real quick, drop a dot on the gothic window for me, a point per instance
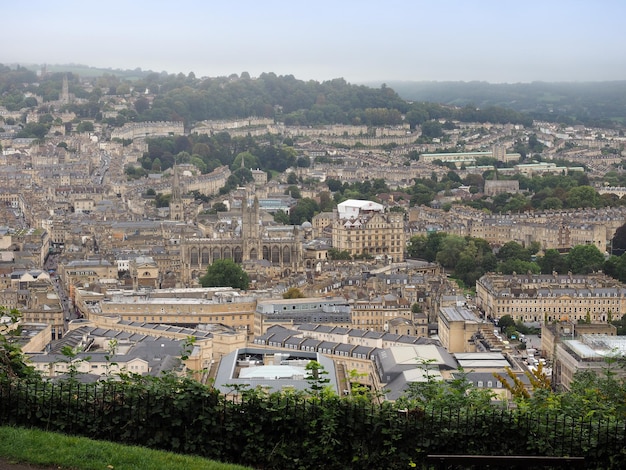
(286, 254)
(237, 254)
(205, 256)
(216, 254)
(193, 259)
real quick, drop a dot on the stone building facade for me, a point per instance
(243, 240)
(369, 232)
(596, 298)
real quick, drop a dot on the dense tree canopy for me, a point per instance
(584, 259)
(225, 273)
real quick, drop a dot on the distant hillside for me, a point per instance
(590, 103)
(86, 71)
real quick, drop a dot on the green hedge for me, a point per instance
(280, 431)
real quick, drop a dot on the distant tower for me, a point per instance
(65, 91)
(499, 152)
(250, 230)
(177, 209)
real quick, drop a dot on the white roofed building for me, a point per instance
(353, 208)
(364, 229)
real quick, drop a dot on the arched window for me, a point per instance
(193, 258)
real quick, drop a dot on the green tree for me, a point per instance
(73, 359)
(432, 129)
(551, 203)
(335, 254)
(292, 178)
(552, 261)
(141, 105)
(85, 126)
(156, 165)
(281, 217)
(304, 211)
(316, 377)
(426, 247)
(249, 161)
(585, 259)
(518, 266)
(513, 250)
(615, 267)
(435, 393)
(326, 201)
(220, 207)
(506, 321)
(12, 360)
(225, 273)
(294, 191)
(416, 308)
(583, 196)
(618, 242)
(450, 251)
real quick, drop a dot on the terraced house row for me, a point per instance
(594, 298)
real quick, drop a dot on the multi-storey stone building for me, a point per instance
(457, 328)
(362, 228)
(135, 130)
(559, 230)
(182, 307)
(288, 312)
(545, 298)
(376, 313)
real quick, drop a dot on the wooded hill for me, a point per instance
(595, 104)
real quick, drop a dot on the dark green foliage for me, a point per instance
(85, 126)
(162, 200)
(281, 217)
(225, 273)
(618, 242)
(513, 250)
(506, 321)
(34, 130)
(220, 207)
(468, 257)
(585, 259)
(335, 254)
(12, 361)
(552, 261)
(289, 430)
(303, 211)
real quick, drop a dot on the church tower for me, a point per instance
(65, 91)
(250, 229)
(177, 209)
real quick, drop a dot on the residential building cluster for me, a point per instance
(93, 264)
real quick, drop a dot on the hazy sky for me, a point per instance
(488, 40)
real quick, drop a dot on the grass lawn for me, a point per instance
(78, 453)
